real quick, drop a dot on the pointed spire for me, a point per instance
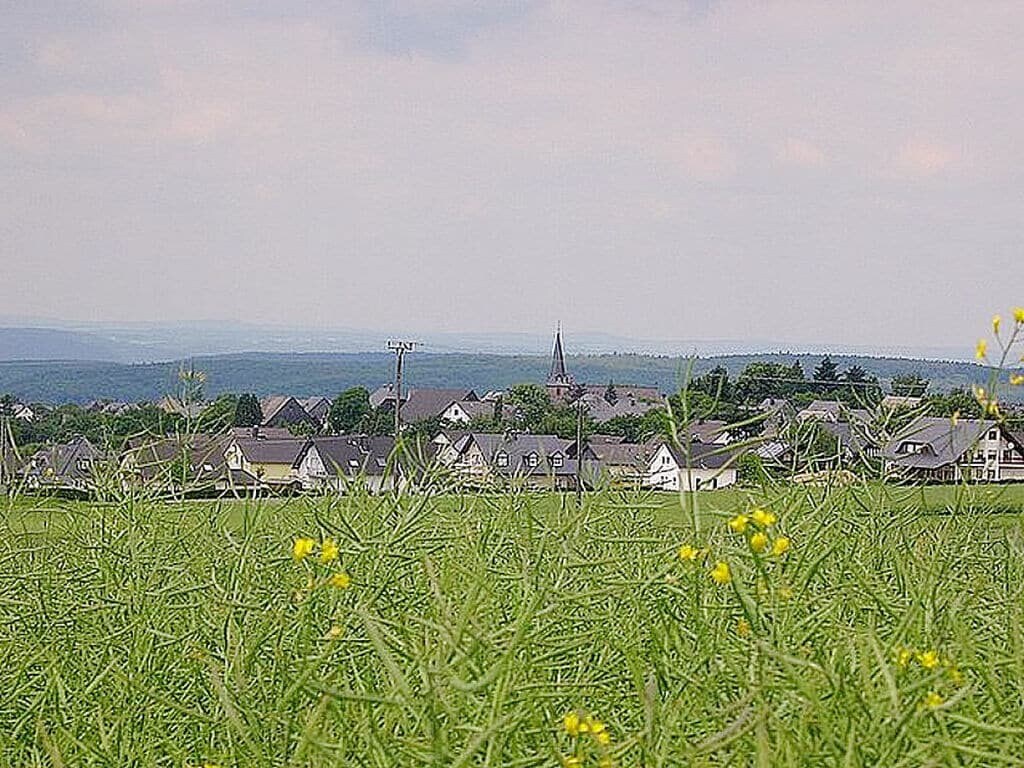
(558, 374)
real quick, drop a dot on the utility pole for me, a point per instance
(579, 451)
(399, 348)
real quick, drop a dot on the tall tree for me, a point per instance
(827, 371)
(348, 410)
(909, 385)
(610, 395)
(248, 412)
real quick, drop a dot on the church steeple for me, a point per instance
(558, 373)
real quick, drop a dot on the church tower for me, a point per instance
(559, 381)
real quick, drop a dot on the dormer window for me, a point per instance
(557, 460)
(532, 460)
(501, 459)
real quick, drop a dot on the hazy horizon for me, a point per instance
(798, 173)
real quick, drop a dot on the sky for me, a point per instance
(812, 173)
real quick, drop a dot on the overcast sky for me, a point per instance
(802, 172)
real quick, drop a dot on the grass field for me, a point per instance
(465, 629)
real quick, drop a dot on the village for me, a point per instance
(471, 442)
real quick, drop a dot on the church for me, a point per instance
(562, 387)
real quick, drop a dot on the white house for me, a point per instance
(705, 467)
(939, 449)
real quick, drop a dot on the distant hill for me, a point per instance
(328, 374)
(56, 344)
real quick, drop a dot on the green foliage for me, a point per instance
(909, 385)
(58, 425)
(348, 410)
(187, 634)
(827, 370)
(220, 414)
(248, 412)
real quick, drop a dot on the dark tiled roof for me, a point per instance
(944, 442)
(272, 451)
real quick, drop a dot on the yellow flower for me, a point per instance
(981, 349)
(571, 723)
(758, 542)
(302, 548)
(933, 700)
(572, 762)
(1018, 314)
(928, 659)
(340, 580)
(1016, 379)
(721, 574)
(334, 633)
(780, 546)
(328, 551)
(603, 738)
(996, 322)
(904, 656)
(739, 523)
(605, 762)
(742, 627)
(763, 517)
(686, 552)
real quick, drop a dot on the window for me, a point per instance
(501, 459)
(993, 434)
(991, 474)
(992, 455)
(557, 460)
(532, 460)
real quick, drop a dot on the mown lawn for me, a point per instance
(155, 634)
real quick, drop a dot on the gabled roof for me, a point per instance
(518, 448)
(944, 442)
(472, 408)
(421, 404)
(698, 455)
(271, 451)
(62, 462)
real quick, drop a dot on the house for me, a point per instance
(194, 464)
(176, 407)
(939, 449)
(539, 461)
(336, 463)
(613, 461)
(464, 411)
(444, 443)
(24, 412)
(561, 386)
(831, 411)
(601, 411)
(701, 467)
(262, 433)
(71, 466)
(286, 411)
(318, 408)
(270, 461)
(709, 432)
(421, 403)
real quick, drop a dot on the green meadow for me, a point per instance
(517, 630)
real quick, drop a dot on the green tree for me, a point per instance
(248, 412)
(826, 373)
(220, 414)
(348, 410)
(532, 406)
(610, 395)
(909, 385)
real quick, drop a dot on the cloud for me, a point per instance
(439, 143)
